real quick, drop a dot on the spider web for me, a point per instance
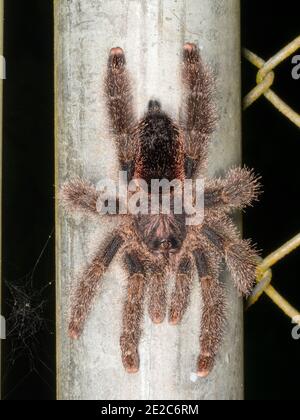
(25, 322)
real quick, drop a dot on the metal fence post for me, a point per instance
(152, 34)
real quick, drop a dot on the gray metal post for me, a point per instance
(152, 34)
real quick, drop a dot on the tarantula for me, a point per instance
(153, 246)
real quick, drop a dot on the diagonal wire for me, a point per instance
(265, 79)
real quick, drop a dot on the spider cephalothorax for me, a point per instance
(153, 245)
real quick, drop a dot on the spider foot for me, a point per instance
(117, 58)
(190, 52)
(130, 355)
(205, 365)
(157, 317)
(131, 361)
(174, 317)
(74, 330)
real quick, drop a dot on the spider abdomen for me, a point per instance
(160, 147)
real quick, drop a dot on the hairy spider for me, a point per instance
(153, 246)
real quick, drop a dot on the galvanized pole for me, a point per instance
(152, 33)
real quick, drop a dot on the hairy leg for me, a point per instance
(181, 295)
(157, 306)
(132, 313)
(200, 115)
(213, 315)
(120, 107)
(79, 195)
(89, 284)
(240, 256)
(237, 190)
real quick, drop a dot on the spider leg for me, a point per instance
(79, 195)
(89, 284)
(132, 313)
(242, 261)
(120, 108)
(213, 315)
(157, 306)
(181, 294)
(200, 116)
(241, 258)
(237, 190)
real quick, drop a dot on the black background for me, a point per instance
(271, 145)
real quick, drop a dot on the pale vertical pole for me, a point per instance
(152, 33)
(2, 76)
